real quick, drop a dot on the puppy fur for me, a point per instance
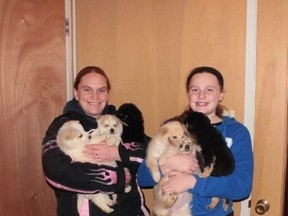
(170, 204)
(72, 138)
(171, 139)
(217, 157)
(133, 127)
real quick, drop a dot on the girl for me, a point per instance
(205, 91)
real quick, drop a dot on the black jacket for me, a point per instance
(67, 178)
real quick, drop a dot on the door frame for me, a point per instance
(250, 76)
(71, 48)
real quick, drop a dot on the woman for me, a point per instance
(205, 91)
(67, 178)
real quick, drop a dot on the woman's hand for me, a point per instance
(181, 163)
(101, 152)
(178, 182)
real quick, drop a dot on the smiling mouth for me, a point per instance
(94, 103)
(202, 103)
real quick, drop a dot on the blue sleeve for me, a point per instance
(238, 185)
(144, 176)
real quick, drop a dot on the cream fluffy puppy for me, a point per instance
(165, 144)
(171, 139)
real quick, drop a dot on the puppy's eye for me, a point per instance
(181, 146)
(174, 137)
(81, 135)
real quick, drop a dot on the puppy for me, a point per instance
(72, 138)
(159, 146)
(217, 157)
(171, 139)
(110, 129)
(133, 127)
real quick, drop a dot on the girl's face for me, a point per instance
(92, 93)
(204, 94)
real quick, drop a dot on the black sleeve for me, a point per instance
(132, 154)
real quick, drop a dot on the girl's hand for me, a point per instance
(178, 182)
(101, 152)
(181, 163)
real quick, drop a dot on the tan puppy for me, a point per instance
(161, 145)
(171, 139)
(110, 129)
(72, 138)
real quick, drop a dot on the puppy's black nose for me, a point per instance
(112, 130)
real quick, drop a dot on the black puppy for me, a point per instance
(133, 128)
(216, 157)
(215, 151)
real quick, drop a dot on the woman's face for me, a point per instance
(92, 93)
(204, 94)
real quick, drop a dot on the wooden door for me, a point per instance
(270, 143)
(148, 47)
(33, 92)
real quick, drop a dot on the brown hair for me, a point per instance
(220, 108)
(91, 69)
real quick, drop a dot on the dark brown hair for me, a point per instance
(220, 108)
(91, 69)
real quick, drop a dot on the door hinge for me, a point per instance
(67, 27)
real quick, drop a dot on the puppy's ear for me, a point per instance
(174, 141)
(125, 124)
(163, 130)
(121, 122)
(72, 134)
(98, 118)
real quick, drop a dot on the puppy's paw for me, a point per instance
(113, 201)
(105, 206)
(225, 204)
(207, 171)
(111, 140)
(162, 161)
(127, 189)
(171, 199)
(156, 176)
(214, 202)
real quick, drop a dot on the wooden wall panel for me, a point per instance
(33, 92)
(148, 47)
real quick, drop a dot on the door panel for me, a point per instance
(33, 92)
(270, 143)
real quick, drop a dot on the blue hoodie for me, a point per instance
(236, 186)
